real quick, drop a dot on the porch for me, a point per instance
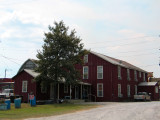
(81, 91)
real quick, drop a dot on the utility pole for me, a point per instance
(5, 73)
(159, 60)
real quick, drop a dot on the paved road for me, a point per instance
(114, 111)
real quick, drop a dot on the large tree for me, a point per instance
(61, 51)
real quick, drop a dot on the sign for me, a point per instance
(150, 74)
(31, 97)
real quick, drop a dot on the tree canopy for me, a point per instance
(61, 51)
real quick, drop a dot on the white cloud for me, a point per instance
(23, 23)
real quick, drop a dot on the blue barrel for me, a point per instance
(33, 102)
(17, 102)
(8, 102)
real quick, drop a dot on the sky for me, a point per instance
(128, 30)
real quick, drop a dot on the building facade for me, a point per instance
(103, 79)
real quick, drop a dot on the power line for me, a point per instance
(142, 42)
(10, 59)
(137, 55)
(120, 39)
(149, 65)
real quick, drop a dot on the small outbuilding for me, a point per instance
(150, 87)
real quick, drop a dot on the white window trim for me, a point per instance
(128, 74)
(98, 90)
(87, 72)
(97, 72)
(135, 87)
(119, 73)
(156, 89)
(65, 90)
(144, 77)
(85, 59)
(135, 75)
(119, 90)
(24, 86)
(128, 90)
(140, 74)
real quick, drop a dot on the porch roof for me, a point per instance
(84, 83)
(6, 82)
(147, 84)
(35, 74)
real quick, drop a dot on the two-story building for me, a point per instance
(103, 79)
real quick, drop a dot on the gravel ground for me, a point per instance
(114, 111)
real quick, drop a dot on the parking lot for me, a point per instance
(114, 111)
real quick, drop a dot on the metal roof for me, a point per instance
(147, 84)
(118, 62)
(31, 72)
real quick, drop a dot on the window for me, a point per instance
(65, 88)
(99, 72)
(135, 87)
(156, 89)
(135, 75)
(85, 59)
(128, 91)
(85, 72)
(119, 90)
(128, 74)
(99, 90)
(24, 86)
(43, 88)
(144, 77)
(119, 72)
(140, 75)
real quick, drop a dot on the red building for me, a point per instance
(6, 83)
(103, 79)
(111, 79)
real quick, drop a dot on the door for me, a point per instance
(52, 91)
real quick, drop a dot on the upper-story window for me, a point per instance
(85, 59)
(119, 72)
(85, 72)
(135, 75)
(99, 72)
(128, 74)
(144, 77)
(140, 75)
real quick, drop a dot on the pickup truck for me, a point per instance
(6, 93)
(142, 96)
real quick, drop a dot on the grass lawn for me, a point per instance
(26, 111)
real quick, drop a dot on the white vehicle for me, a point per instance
(7, 93)
(142, 96)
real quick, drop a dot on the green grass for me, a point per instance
(26, 111)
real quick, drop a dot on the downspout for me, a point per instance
(111, 86)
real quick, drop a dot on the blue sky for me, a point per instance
(124, 29)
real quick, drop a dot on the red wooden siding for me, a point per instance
(31, 87)
(110, 79)
(150, 89)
